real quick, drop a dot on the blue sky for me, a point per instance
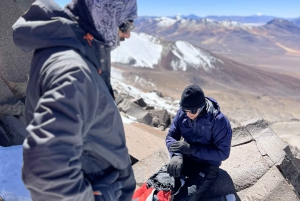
(278, 8)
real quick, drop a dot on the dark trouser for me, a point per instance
(199, 179)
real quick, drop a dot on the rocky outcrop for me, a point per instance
(260, 167)
(12, 131)
(14, 64)
(14, 70)
(143, 113)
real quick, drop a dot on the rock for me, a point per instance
(136, 111)
(240, 135)
(139, 101)
(162, 127)
(245, 165)
(161, 118)
(17, 88)
(158, 93)
(119, 99)
(295, 151)
(12, 131)
(271, 186)
(150, 165)
(9, 104)
(155, 121)
(149, 107)
(260, 167)
(14, 64)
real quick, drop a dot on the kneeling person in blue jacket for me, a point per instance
(207, 139)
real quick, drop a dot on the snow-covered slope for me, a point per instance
(189, 55)
(151, 98)
(141, 50)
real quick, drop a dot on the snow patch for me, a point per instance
(150, 98)
(128, 119)
(141, 50)
(143, 82)
(165, 22)
(189, 55)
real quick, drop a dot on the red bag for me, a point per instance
(159, 187)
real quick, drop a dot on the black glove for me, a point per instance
(181, 147)
(175, 166)
(108, 188)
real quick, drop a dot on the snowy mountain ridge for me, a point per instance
(188, 54)
(143, 50)
(167, 22)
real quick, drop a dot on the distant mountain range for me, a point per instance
(253, 19)
(235, 39)
(161, 59)
(297, 21)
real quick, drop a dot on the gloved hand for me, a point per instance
(108, 188)
(175, 166)
(181, 147)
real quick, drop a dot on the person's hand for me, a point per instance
(181, 147)
(175, 166)
(108, 188)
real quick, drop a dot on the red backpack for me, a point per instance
(159, 187)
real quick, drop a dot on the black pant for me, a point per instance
(199, 178)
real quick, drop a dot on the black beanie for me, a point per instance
(192, 98)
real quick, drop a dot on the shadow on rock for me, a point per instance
(222, 187)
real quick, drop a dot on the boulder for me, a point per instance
(260, 167)
(9, 103)
(12, 131)
(150, 165)
(271, 186)
(160, 119)
(132, 109)
(139, 101)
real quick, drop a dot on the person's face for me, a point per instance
(191, 115)
(123, 35)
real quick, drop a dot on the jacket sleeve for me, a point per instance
(220, 149)
(174, 133)
(51, 168)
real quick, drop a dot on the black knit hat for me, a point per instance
(192, 98)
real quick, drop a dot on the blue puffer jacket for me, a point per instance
(209, 134)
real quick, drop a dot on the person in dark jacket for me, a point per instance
(206, 134)
(76, 148)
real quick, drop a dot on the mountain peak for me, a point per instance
(279, 21)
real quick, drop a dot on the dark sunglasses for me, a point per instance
(193, 111)
(127, 26)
